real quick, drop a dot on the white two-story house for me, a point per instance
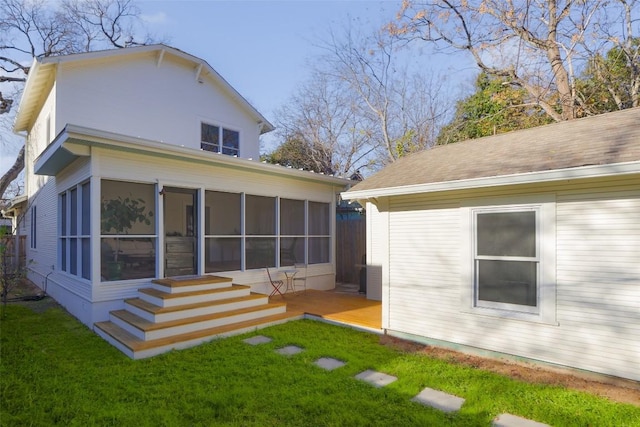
(143, 163)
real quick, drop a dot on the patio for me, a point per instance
(342, 305)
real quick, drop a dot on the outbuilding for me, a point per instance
(525, 243)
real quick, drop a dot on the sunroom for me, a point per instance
(133, 210)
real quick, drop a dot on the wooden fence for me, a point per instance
(15, 253)
(351, 241)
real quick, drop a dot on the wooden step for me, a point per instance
(146, 330)
(188, 281)
(154, 313)
(180, 285)
(165, 299)
(138, 349)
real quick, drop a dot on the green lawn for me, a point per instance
(53, 370)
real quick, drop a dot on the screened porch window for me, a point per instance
(506, 260)
(319, 233)
(127, 224)
(292, 232)
(222, 231)
(260, 223)
(74, 248)
(249, 232)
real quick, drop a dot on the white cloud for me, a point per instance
(156, 18)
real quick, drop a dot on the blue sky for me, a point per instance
(263, 48)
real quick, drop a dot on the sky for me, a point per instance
(264, 48)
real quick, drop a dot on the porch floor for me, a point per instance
(343, 307)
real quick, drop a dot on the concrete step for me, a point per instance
(154, 313)
(145, 330)
(136, 348)
(166, 299)
(189, 284)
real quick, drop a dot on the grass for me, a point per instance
(53, 370)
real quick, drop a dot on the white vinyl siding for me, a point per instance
(425, 288)
(132, 92)
(596, 320)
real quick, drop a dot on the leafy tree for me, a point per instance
(495, 107)
(41, 28)
(297, 154)
(611, 82)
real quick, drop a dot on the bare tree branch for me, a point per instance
(538, 40)
(40, 28)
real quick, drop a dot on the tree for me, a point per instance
(360, 109)
(615, 60)
(495, 107)
(404, 108)
(532, 45)
(39, 28)
(611, 82)
(322, 128)
(296, 153)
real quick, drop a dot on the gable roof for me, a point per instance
(577, 148)
(43, 71)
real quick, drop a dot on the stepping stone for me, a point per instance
(258, 339)
(508, 420)
(329, 363)
(289, 350)
(439, 400)
(377, 379)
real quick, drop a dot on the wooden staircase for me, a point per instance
(183, 312)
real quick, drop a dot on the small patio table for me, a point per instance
(289, 274)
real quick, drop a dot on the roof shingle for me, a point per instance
(598, 140)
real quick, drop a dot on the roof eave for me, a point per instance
(591, 171)
(27, 102)
(38, 73)
(74, 142)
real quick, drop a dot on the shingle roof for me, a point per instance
(598, 140)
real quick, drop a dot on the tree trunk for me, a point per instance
(12, 173)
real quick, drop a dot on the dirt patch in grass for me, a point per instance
(617, 390)
(29, 295)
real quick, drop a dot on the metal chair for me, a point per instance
(300, 279)
(275, 284)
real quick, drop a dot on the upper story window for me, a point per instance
(220, 140)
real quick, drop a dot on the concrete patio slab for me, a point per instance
(258, 339)
(289, 350)
(508, 420)
(439, 400)
(377, 379)
(329, 363)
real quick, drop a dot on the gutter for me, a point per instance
(591, 171)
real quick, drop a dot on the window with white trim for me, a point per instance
(219, 140)
(34, 218)
(506, 259)
(509, 249)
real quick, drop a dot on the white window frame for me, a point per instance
(545, 309)
(33, 242)
(221, 147)
(477, 258)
